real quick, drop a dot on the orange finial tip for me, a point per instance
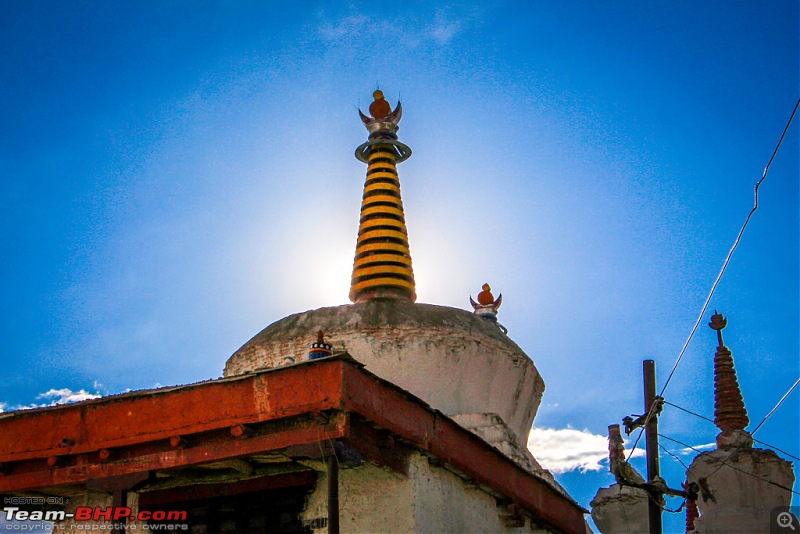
(485, 297)
(320, 337)
(379, 109)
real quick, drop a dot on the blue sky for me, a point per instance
(178, 175)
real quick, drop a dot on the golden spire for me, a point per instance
(382, 266)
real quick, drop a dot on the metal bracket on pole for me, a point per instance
(632, 424)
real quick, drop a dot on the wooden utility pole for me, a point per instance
(651, 440)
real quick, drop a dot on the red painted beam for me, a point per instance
(219, 449)
(141, 417)
(388, 406)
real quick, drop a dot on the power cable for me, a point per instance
(689, 412)
(790, 455)
(677, 510)
(681, 443)
(730, 253)
(723, 463)
(722, 270)
(644, 425)
(777, 449)
(776, 406)
(673, 455)
(625, 515)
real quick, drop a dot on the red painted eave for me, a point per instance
(138, 425)
(160, 414)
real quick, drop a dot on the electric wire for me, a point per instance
(677, 510)
(777, 449)
(635, 443)
(790, 455)
(644, 425)
(689, 412)
(702, 314)
(663, 504)
(695, 449)
(730, 253)
(722, 270)
(723, 463)
(625, 515)
(776, 406)
(673, 455)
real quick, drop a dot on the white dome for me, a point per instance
(454, 360)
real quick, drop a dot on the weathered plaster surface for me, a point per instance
(446, 503)
(370, 500)
(454, 360)
(431, 499)
(620, 509)
(742, 497)
(491, 428)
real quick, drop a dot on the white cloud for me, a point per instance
(568, 449)
(349, 26)
(693, 450)
(55, 397)
(27, 407)
(401, 31)
(445, 28)
(66, 395)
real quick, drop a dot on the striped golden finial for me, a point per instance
(382, 266)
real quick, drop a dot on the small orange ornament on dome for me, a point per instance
(485, 297)
(380, 108)
(486, 305)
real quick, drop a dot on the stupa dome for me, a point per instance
(458, 362)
